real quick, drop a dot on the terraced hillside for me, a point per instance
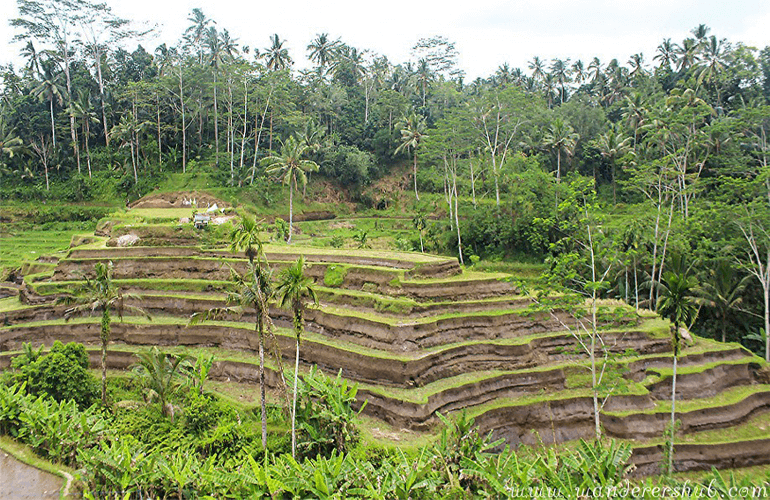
(423, 336)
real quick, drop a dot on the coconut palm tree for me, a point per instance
(293, 288)
(677, 303)
(292, 169)
(10, 143)
(538, 68)
(612, 145)
(195, 34)
(252, 289)
(412, 133)
(276, 55)
(561, 138)
(561, 75)
(722, 291)
(100, 294)
(50, 90)
(160, 373)
(322, 50)
(667, 53)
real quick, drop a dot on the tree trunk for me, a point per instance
(291, 209)
(457, 219)
(105, 338)
(673, 411)
(184, 126)
(416, 196)
(216, 123)
(53, 128)
(263, 407)
(101, 96)
(294, 405)
(87, 133)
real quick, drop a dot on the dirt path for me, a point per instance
(20, 481)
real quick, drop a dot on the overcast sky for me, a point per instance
(487, 33)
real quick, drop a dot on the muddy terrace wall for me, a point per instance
(377, 369)
(444, 267)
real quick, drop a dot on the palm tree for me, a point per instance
(195, 34)
(667, 53)
(561, 137)
(276, 56)
(81, 108)
(294, 286)
(612, 145)
(538, 68)
(412, 133)
(561, 75)
(100, 293)
(50, 90)
(253, 289)
(245, 236)
(292, 169)
(10, 143)
(160, 373)
(637, 65)
(676, 302)
(32, 68)
(722, 291)
(713, 63)
(687, 54)
(579, 71)
(322, 51)
(221, 47)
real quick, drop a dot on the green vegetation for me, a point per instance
(587, 208)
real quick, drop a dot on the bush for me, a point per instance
(63, 374)
(325, 414)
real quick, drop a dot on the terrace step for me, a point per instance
(652, 425)
(376, 367)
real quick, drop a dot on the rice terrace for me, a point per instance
(223, 277)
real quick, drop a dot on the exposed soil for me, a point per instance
(181, 199)
(690, 457)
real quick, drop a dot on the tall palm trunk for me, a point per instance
(105, 339)
(53, 128)
(294, 403)
(184, 126)
(263, 405)
(291, 208)
(673, 420)
(216, 121)
(416, 196)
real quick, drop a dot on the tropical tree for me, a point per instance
(612, 145)
(10, 143)
(292, 290)
(667, 53)
(276, 56)
(561, 138)
(677, 303)
(292, 169)
(322, 50)
(723, 291)
(160, 373)
(412, 133)
(252, 289)
(50, 90)
(100, 294)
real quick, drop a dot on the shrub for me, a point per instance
(325, 414)
(62, 374)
